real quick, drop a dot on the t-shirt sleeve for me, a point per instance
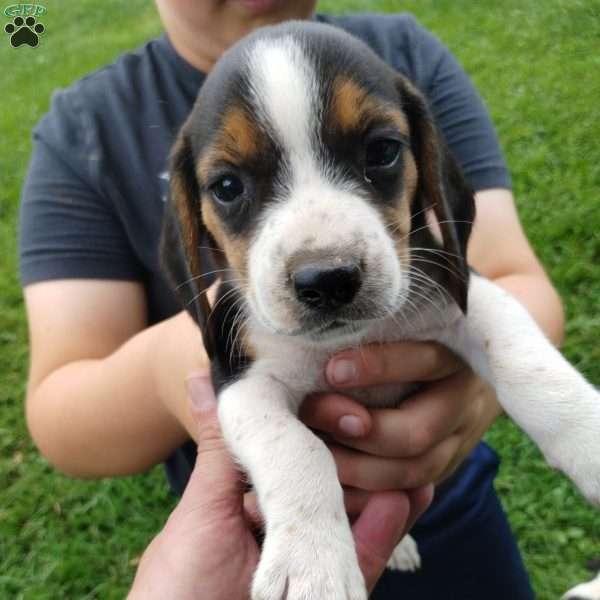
(68, 229)
(459, 111)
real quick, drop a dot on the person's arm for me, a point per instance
(106, 395)
(98, 374)
(500, 250)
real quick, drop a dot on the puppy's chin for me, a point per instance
(333, 331)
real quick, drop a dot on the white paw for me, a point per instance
(406, 556)
(309, 562)
(585, 591)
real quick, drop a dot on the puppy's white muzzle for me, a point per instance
(323, 255)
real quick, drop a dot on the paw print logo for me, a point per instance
(24, 31)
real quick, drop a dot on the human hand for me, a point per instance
(425, 438)
(207, 548)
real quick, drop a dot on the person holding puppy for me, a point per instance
(107, 398)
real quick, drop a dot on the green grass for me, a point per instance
(537, 64)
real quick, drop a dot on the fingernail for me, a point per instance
(351, 426)
(342, 371)
(201, 394)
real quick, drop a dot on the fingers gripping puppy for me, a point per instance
(311, 167)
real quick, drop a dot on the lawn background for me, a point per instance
(537, 65)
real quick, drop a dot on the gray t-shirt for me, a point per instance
(94, 195)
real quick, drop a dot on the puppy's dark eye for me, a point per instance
(227, 189)
(381, 153)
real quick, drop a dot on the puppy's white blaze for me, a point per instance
(285, 91)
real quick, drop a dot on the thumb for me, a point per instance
(215, 483)
(378, 530)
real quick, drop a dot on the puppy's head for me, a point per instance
(313, 167)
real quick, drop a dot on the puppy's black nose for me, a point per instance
(326, 287)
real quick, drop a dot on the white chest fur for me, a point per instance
(300, 364)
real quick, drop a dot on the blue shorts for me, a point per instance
(467, 549)
(466, 545)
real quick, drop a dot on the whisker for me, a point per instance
(221, 299)
(237, 327)
(423, 210)
(436, 251)
(210, 248)
(452, 271)
(416, 310)
(413, 256)
(428, 281)
(393, 316)
(432, 285)
(231, 337)
(202, 275)
(206, 289)
(438, 222)
(234, 305)
(429, 302)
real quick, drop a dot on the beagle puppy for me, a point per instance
(307, 177)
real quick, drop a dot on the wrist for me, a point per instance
(176, 350)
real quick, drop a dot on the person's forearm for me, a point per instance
(499, 250)
(123, 413)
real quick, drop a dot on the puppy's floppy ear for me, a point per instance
(441, 187)
(182, 233)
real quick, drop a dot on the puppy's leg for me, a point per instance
(405, 556)
(536, 386)
(308, 550)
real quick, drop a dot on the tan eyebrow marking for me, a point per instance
(352, 106)
(240, 131)
(238, 139)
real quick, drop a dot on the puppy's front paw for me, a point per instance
(314, 563)
(406, 556)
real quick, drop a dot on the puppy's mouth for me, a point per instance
(335, 328)
(322, 329)
(334, 325)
